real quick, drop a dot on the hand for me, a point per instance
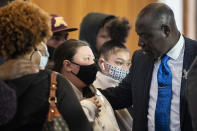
(96, 102)
(16, 68)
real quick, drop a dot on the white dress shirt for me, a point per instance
(176, 64)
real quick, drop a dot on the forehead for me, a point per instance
(146, 23)
(102, 31)
(123, 54)
(83, 51)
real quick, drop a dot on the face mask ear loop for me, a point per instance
(75, 64)
(33, 53)
(103, 66)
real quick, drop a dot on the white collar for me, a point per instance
(174, 53)
(104, 81)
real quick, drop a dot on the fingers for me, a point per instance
(25, 67)
(12, 69)
(97, 103)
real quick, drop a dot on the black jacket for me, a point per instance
(192, 93)
(7, 103)
(134, 89)
(32, 93)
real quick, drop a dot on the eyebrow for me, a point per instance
(122, 59)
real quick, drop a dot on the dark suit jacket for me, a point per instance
(134, 89)
(192, 93)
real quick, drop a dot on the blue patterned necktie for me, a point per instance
(162, 112)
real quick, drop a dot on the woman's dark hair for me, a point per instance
(106, 20)
(66, 51)
(111, 47)
(119, 29)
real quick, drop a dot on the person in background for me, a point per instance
(114, 63)
(192, 92)
(156, 83)
(22, 36)
(60, 30)
(75, 60)
(11, 69)
(97, 28)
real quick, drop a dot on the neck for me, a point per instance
(176, 36)
(74, 80)
(175, 39)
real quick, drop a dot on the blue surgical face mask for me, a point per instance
(44, 59)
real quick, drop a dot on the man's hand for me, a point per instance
(12, 69)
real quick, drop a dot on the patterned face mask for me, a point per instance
(115, 72)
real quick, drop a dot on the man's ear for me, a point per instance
(67, 65)
(166, 30)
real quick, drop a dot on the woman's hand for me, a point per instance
(96, 102)
(12, 69)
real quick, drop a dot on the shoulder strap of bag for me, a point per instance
(53, 111)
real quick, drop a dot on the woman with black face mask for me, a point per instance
(75, 60)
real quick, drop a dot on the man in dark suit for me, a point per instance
(158, 37)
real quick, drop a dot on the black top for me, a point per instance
(192, 93)
(7, 103)
(32, 93)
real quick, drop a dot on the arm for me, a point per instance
(121, 96)
(12, 69)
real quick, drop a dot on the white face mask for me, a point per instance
(115, 72)
(44, 59)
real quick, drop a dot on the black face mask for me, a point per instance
(87, 73)
(50, 50)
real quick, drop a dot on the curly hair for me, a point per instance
(23, 26)
(118, 29)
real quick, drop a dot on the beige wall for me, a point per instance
(74, 10)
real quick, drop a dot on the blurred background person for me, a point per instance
(60, 31)
(97, 28)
